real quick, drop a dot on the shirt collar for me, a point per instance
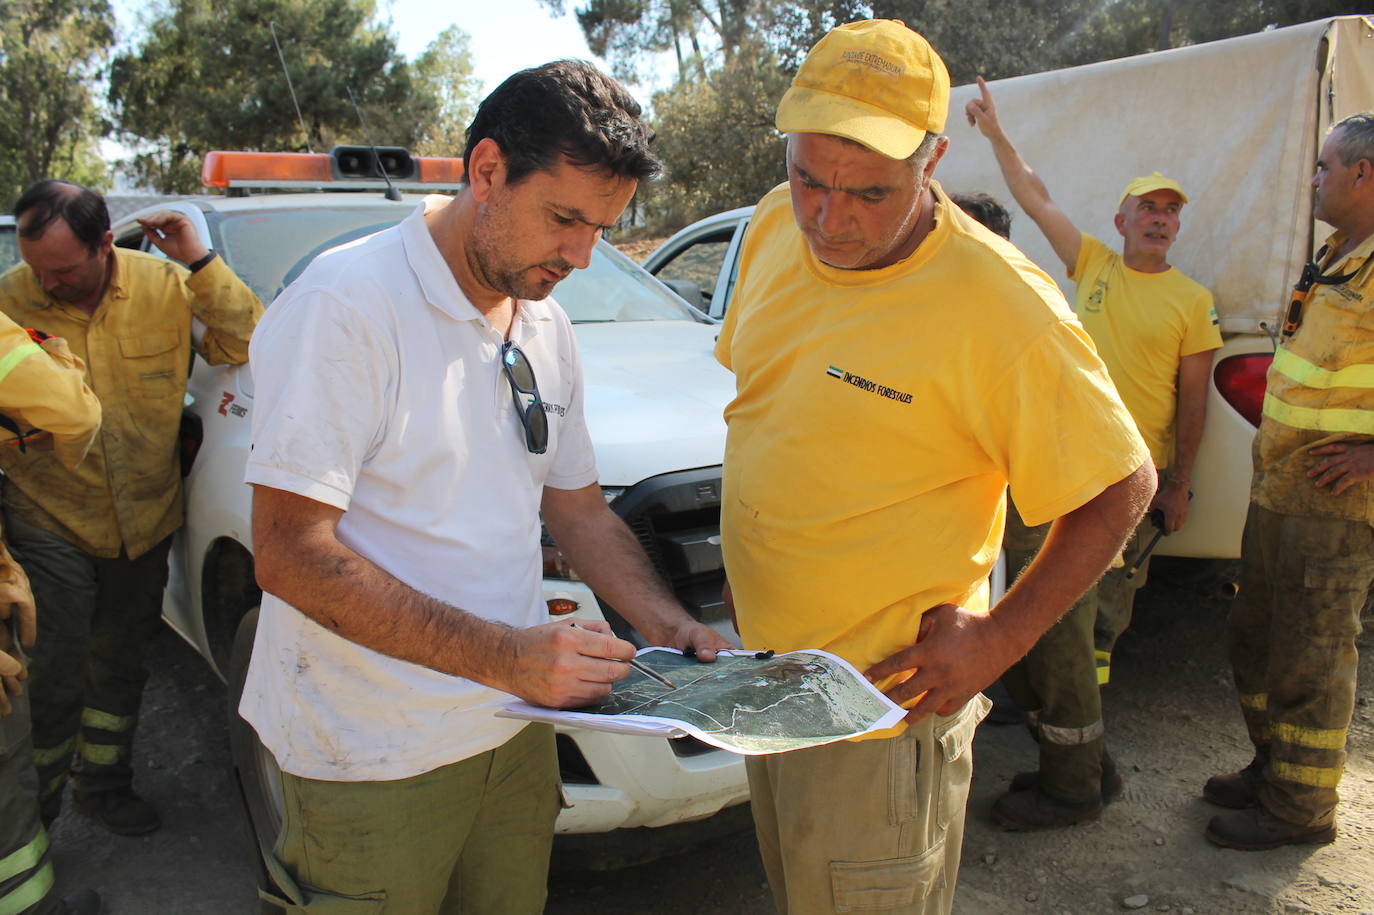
(1363, 251)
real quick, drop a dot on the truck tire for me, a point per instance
(255, 770)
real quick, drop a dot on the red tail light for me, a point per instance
(1240, 379)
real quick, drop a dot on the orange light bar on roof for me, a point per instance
(435, 170)
(223, 168)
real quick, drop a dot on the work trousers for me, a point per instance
(1056, 685)
(471, 837)
(870, 825)
(26, 876)
(96, 617)
(1291, 634)
(1116, 595)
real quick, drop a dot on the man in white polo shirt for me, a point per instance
(419, 405)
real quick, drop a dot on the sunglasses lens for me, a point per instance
(536, 429)
(519, 368)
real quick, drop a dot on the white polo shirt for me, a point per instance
(379, 391)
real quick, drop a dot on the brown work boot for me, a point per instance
(1034, 809)
(119, 810)
(1113, 785)
(1256, 829)
(1237, 790)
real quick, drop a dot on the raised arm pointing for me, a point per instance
(1030, 192)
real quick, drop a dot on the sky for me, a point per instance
(505, 35)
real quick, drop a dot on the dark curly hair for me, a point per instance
(569, 108)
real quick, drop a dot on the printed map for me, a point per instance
(743, 702)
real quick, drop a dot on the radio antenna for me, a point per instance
(391, 192)
(290, 88)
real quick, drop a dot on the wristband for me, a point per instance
(196, 265)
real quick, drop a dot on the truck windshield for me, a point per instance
(269, 248)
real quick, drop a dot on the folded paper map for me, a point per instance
(746, 702)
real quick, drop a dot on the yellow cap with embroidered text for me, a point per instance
(1151, 182)
(875, 82)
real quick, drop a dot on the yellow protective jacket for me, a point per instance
(136, 345)
(1320, 389)
(41, 387)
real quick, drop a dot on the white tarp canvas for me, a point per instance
(1237, 122)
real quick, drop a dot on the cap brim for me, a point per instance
(1150, 189)
(809, 111)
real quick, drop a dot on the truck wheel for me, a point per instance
(255, 771)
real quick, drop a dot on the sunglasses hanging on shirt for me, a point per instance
(524, 392)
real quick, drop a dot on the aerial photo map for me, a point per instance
(745, 702)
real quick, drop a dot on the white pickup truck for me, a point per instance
(1237, 122)
(654, 401)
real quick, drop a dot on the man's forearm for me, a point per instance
(229, 310)
(1190, 416)
(356, 599)
(1025, 185)
(1080, 547)
(608, 557)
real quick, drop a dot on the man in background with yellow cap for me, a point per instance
(897, 366)
(1155, 329)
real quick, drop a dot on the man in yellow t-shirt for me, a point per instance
(1155, 329)
(897, 366)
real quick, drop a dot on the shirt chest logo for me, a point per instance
(1094, 303)
(864, 384)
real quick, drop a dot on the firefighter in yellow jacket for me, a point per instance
(95, 540)
(43, 396)
(1308, 549)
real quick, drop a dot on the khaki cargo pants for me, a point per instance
(472, 837)
(870, 825)
(1291, 634)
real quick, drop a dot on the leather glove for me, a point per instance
(16, 612)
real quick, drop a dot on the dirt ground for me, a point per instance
(1172, 721)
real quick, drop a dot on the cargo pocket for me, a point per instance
(954, 737)
(1340, 588)
(874, 886)
(287, 894)
(317, 902)
(150, 364)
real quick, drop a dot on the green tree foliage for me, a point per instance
(1001, 38)
(207, 76)
(735, 58)
(444, 71)
(717, 140)
(50, 53)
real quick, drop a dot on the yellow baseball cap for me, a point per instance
(875, 82)
(1151, 182)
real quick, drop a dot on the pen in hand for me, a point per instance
(643, 668)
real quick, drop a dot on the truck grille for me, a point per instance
(676, 518)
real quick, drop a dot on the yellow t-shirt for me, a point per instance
(880, 415)
(1142, 324)
(1320, 389)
